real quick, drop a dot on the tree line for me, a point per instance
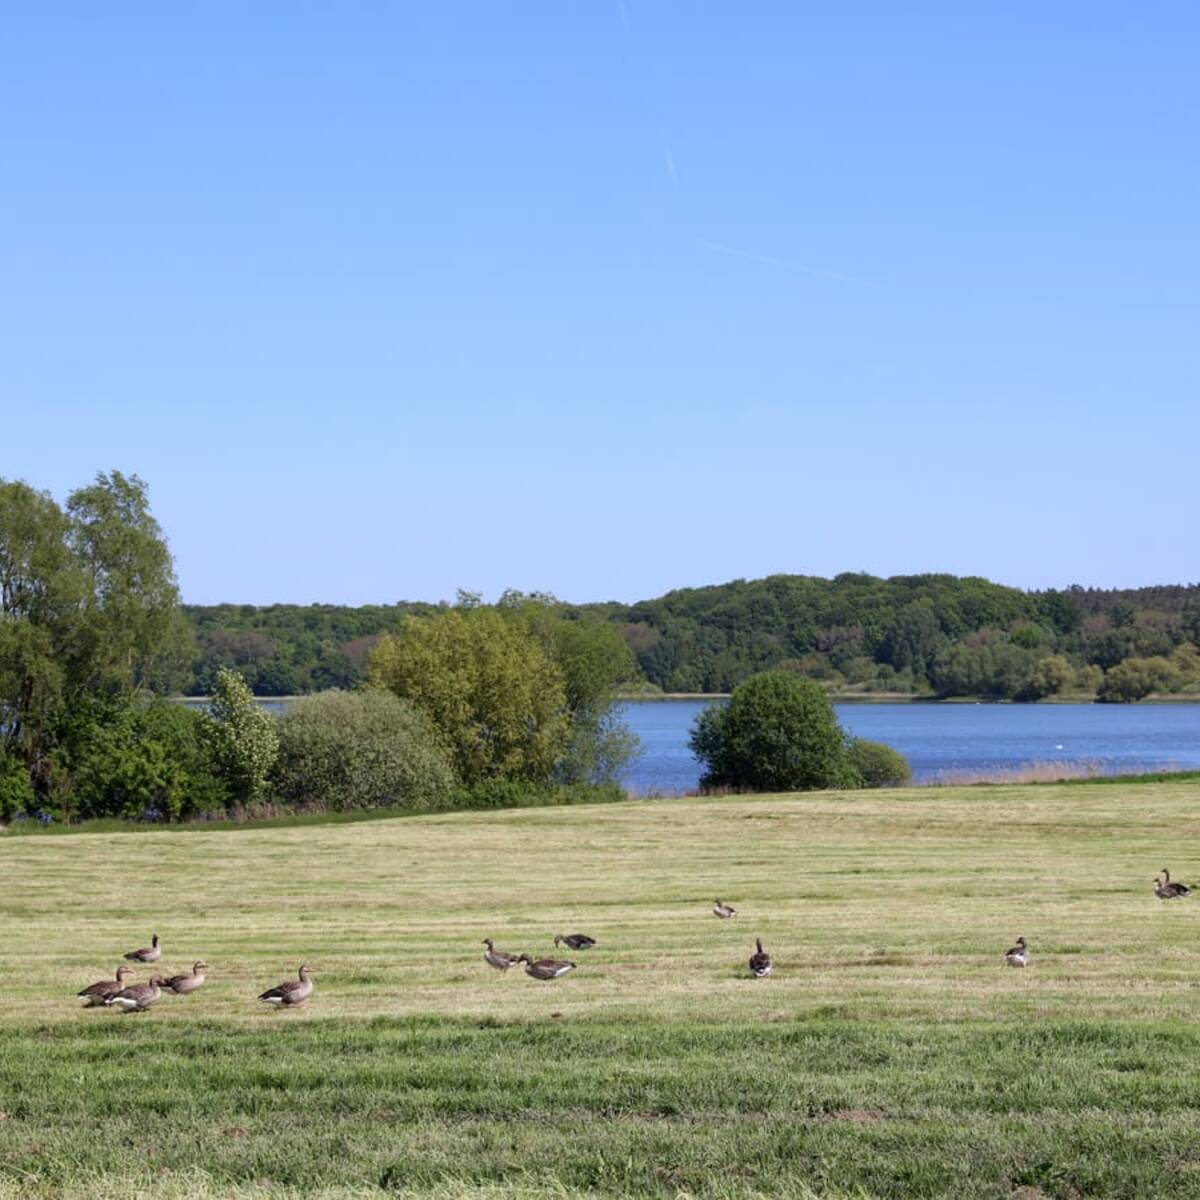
(935, 635)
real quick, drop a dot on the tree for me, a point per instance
(878, 765)
(1135, 679)
(346, 750)
(1050, 675)
(242, 737)
(594, 660)
(41, 594)
(131, 635)
(777, 733)
(490, 689)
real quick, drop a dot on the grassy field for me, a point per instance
(892, 1054)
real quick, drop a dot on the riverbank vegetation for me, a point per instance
(891, 1055)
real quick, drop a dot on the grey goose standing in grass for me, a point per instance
(760, 961)
(576, 941)
(546, 968)
(95, 994)
(182, 984)
(498, 958)
(1018, 955)
(1164, 889)
(137, 998)
(292, 992)
(724, 911)
(147, 954)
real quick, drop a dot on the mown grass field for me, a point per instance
(892, 1054)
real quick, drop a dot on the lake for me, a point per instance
(942, 740)
(949, 739)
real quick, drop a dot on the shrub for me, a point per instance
(136, 761)
(1136, 678)
(777, 733)
(16, 792)
(242, 738)
(345, 750)
(878, 765)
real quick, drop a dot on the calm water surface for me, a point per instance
(945, 738)
(938, 738)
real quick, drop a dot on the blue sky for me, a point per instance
(607, 298)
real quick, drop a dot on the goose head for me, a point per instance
(1020, 941)
(489, 943)
(758, 943)
(524, 958)
(123, 973)
(305, 972)
(197, 967)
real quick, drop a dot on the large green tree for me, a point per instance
(88, 603)
(488, 685)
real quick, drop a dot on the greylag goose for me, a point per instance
(1164, 889)
(498, 958)
(94, 995)
(545, 968)
(147, 954)
(182, 984)
(292, 992)
(760, 961)
(137, 998)
(1018, 955)
(575, 941)
(724, 911)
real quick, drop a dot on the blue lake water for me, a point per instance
(940, 739)
(946, 739)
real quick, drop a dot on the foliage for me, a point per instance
(116, 757)
(1050, 675)
(242, 738)
(88, 603)
(777, 733)
(17, 796)
(346, 750)
(878, 765)
(1136, 678)
(595, 662)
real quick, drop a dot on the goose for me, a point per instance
(498, 958)
(576, 941)
(545, 968)
(1018, 955)
(291, 992)
(137, 998)
(760, 961)
(724, 911)
(147, 954)
(95, 994)
(1164, 889)
(182, 984)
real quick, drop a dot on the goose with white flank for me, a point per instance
(545, 968)
(292, 992)
(760, 961)
(147, 954)
(181, 985)
(498, 958)
(575, 941)
(1018, 955)
(95, 994)
(724, 911)
(137, 998)
(1164, 889)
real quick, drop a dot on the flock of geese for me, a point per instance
(138, 997)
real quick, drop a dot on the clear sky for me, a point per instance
(609, 297)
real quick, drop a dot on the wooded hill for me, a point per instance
(924, 634)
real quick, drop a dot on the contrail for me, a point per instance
(671, 165)
(733, 252)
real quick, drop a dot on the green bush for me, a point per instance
(142, 762)
(345, 750)
(511, 793)
(16, 792)
(1136, 678)
(878, 765)
(242, 738)
(778, 733)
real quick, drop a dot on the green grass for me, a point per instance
(891, 1055)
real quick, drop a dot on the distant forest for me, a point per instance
(935, 635)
